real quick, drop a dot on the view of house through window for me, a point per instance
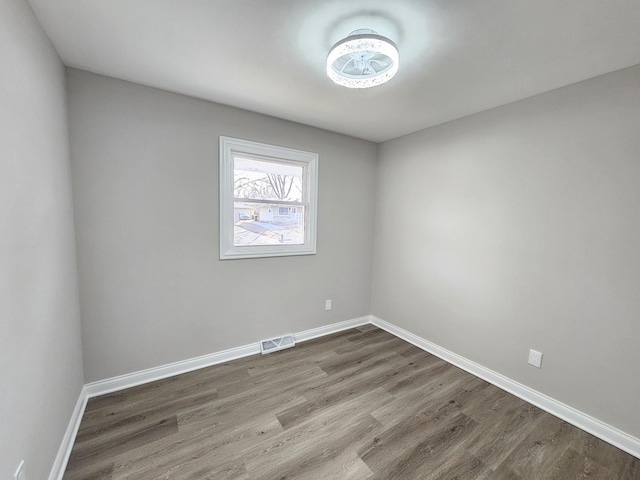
(268, 202)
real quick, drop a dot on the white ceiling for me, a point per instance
(457, 57)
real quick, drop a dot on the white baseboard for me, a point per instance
(60, 463)
(128, 380)
(605, 432)
(333, 328)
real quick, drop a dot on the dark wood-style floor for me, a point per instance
(357, 404)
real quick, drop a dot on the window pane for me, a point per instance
(267, 224)
(258, 179)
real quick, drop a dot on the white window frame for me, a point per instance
(229, 148)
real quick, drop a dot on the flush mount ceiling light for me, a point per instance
(363, 59)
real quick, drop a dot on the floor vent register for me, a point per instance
(278, 343)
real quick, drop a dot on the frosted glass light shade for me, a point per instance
(364, 59)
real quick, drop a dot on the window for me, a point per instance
(268, 199)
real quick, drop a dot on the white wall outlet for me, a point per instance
(20, 475)
(327, 304)
(535, 358)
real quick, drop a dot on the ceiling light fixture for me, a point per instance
(363, 59)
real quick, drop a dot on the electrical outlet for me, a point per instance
(535, 358)
(327, 304)
(20, 475)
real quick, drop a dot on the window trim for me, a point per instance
(230, 147)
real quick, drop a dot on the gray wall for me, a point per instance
(145, 179)
(519, 228)
(40, 351)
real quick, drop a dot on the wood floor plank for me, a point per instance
(197, 451)
(366, 376)
(507, 428)
(91, 452)
(433, 395)
(574, 466)
(319, 455)
(358, 404)
(95, 470)
(287, 378)
(461, 466)
(619, 463)
(413, 449)
(546, 443)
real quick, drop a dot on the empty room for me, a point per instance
(319, 239)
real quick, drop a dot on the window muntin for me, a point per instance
(267, 200)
